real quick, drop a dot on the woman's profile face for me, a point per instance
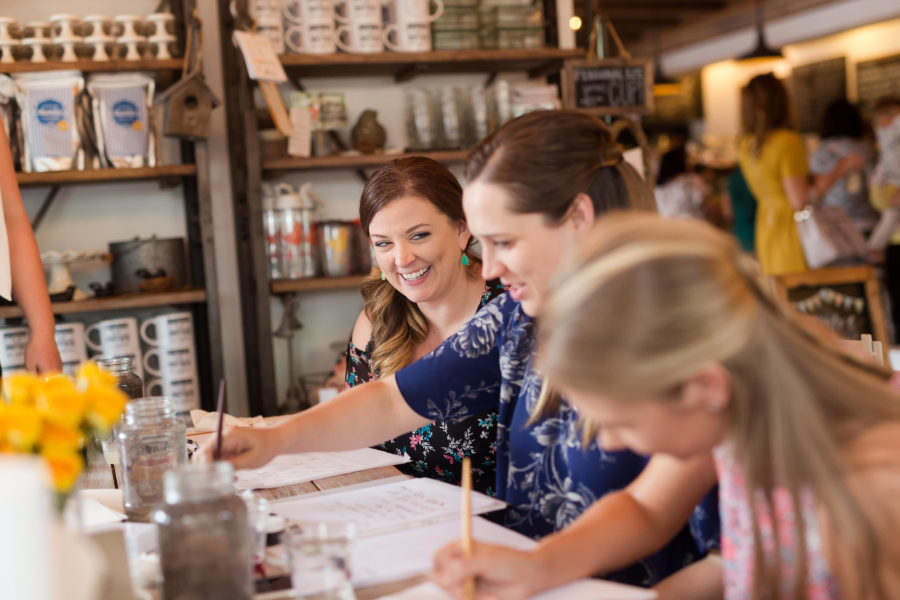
(519, 249)
(418, 248)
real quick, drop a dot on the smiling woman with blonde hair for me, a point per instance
(665, 337)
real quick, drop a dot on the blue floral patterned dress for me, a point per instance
(543, 472)
(436, 450)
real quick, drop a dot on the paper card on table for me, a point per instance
(586, 589)
(289, 469)
(94, 514)
(385, 508)
(412, 549)
(262, 62)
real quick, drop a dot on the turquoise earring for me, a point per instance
(382, 276)
(465, 259)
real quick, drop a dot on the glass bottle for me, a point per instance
(130, 383)
(152, 441)
(205, 548)
(123, 368)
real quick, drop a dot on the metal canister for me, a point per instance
(337, 247)
(270, 233)
(297, 243)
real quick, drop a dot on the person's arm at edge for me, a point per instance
(28, 284)
(702, 580)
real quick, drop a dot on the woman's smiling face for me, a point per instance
(521, 249)
(418, 248)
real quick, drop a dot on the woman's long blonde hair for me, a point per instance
(645, 302)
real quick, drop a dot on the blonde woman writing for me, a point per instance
(806, 439)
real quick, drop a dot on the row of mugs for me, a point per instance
(171, 361)
(97, 48)
(309, 26)
(68, 25)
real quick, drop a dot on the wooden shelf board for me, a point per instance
(435, 61)
(150, 64)
(287, 286)
(124, 302)
(354, 161)
(102, 175)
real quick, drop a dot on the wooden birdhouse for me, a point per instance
(187, 106)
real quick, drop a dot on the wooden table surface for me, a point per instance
(98, 475)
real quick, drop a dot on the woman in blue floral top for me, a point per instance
(534, 189)
(426, 287)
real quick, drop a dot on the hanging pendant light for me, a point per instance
(762, 51)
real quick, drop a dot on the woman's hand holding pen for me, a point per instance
(243, 447)
(500, 573)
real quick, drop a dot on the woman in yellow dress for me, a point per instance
(773, 160)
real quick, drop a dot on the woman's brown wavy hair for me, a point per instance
(398, 326)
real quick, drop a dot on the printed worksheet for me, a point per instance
(385, 508)
(289, 469)
(586, 589)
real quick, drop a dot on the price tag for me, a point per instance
(262, 62)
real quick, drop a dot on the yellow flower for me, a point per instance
(20, 388)
(57, 437)
(22, 426)
(60, 402)
(105, 406)
(89, 375)
(66, 467)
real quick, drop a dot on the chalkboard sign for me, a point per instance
(846, 299)
(813, 88)
(608, 86)
(877, 78)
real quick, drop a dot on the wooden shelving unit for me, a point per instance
(404, 65)
(105, 175)
(124, 302)
(289, 286)
(150, 64)
(354, 161)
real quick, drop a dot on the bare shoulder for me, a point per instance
(362, 330)
(876, 451)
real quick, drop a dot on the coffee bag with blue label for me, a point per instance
(121, 105)
(47, 105)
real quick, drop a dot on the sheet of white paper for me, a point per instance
(412, 549)
(385, 508)
(586, 589)
(288, 469)
(108, 497)
(5, 264)
(94, 514)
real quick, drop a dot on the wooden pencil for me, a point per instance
(466, 514)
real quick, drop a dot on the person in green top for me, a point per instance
(743, 209)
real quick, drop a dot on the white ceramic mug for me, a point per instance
(116, 337)
(169, 331)
(183, 392)
(358, 11)
(408, 37)
(171, 362)
(311, 37)
(70, 342)
(415, 11)
(13, 341)
(308, 11)
(365, 38)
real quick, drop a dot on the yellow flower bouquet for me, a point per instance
(54, 415)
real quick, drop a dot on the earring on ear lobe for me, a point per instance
(465, 259)
(382, 276)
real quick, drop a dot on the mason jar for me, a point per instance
(205, 548)
(123, 368)
(152, 440)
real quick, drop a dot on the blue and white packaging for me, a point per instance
(47, 105)
(121, 105)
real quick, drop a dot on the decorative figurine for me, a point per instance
(368, 135)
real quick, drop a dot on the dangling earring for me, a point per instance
(382, 276)
(465, 259)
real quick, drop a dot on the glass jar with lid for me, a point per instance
(205, 548)
(123, 368)
(152, 441)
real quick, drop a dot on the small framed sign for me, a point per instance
(611, 86)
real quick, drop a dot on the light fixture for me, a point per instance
(575, 23)
(762, 51)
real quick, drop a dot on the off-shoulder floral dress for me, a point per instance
(436, 450)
